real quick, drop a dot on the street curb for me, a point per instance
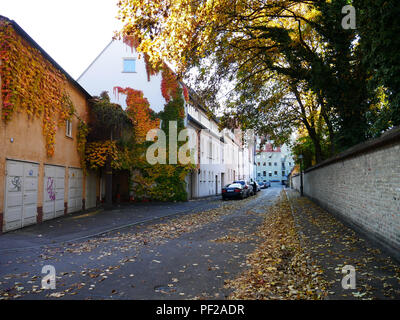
(98, 233)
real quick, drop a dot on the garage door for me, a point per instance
(75, 189)
(53, 192)
(21, 194)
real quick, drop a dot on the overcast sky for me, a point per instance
(72, 32)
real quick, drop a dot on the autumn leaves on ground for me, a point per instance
(274, 246)
(302, 255)
(280, 267)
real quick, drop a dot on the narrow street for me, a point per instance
(171, 251)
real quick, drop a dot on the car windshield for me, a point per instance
(235, 185)
(241, 182)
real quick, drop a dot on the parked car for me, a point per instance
(234, 190)
(267, 184)
(262, 185)
(258, 186)
(246, 185)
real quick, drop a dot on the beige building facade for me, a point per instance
(33, 186)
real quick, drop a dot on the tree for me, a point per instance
(108, 125)
(261, 42)
(379, 29)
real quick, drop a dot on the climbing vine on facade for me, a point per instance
(169, 84)
(139, 112)
(97, 153)
(104, 138)
(81, 136)
(30, 84)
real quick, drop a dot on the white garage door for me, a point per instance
(20, 194)
(75, 189)
(91, 188)
(53, 192)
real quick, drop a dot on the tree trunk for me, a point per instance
(311, 129)
(317, 145)
(329, 125)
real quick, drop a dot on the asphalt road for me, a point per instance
(188, 255)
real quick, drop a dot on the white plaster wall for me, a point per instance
(105, 73)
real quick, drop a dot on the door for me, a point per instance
(53, 192)
(91, 190)
(20, 194)
(75, 190)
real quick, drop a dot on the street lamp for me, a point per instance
(301, 175)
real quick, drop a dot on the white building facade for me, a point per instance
(273, 163)
(221, 157)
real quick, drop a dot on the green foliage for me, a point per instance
(174, 110)
(164, 182)
(287, 45)
(109, 135)
(108, 120)
(83, 131)
(379, 29)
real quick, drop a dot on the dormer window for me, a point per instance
(129, 65)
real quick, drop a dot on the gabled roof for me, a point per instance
(98, 56)
(34, 44)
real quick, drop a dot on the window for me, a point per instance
(259, 174)
(258, 163)
(270, 174)
(129, 65)
(270, 164)
(264, 164)
(68, 128)
(275, 164)
(265, 173)
(283, 173)
(275, 173)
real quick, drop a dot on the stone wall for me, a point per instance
(362, 187)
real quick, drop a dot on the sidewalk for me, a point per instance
(89, 224)
(332, 245)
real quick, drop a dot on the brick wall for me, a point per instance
(362, 187)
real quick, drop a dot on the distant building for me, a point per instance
(273, 164)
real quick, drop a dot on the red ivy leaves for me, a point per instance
(186, 93)
(169, 84)
(139, 111)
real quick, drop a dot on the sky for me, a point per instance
(72, 32)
